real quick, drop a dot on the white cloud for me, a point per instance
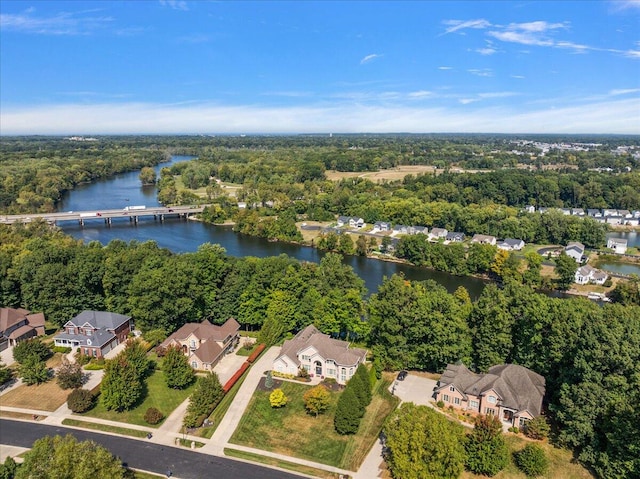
(481, 72)
(466, 101)
(369, 58)
(445, 68)
(607, 116)
(486, 51)
(519, 77)
(175, 4)
(457, 25)
(624, 91)
(621, 5)
(420, 94)
(65, 23)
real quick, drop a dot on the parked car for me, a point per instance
(402, 374)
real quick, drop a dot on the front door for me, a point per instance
(318, 368)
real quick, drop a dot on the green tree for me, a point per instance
(8, 468)
(69, 375)
(147, 175)
(492, 328)
(532, 460)
(566, 268)
(487, 452)
(531, 276)
(345, 244)
(316, 400)
(277, 398)
(537, 428)
(349, 411)
(268, 380)
(5, 373)
(423, 444)
(362, 248)
(135, 353)
(31, 347)
(67, 458)
(177, 372)
(121, 386)
(206, 395)
(33, 371)
(80, 400)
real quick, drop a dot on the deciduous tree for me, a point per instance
(121, 386)
(177, 372)
(487, 452)
(316, 400)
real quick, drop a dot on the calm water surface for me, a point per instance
(185, 236)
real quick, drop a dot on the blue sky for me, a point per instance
(295, 67)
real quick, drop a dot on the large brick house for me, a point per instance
(95, 332)
(511, 392)
(204, 343)
(320, 355)
(19, 324)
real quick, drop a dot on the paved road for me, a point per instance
(184, 464)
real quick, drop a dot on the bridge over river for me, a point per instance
(133, 213)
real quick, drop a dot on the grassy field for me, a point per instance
(293, 432)
(272, 461)
(43, 397)
(158, 396)
(105, 428)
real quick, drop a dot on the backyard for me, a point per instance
(293, 432)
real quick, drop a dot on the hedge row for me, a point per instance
(254, 355)
(233, 379)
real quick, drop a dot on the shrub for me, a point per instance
(80, 400)
(254, 355)
(537, 428)
(70, 375)
(233, 379)
(532, 460)
(277, 398)
(514, 429)
(276, 374)
(153, 416)
(81, 359)
(487, 452)
(440, 404)
(303, 373)
(268, 380)
(316, 400)
(6, 374)
(61, 349)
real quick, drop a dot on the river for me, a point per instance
(185, 236)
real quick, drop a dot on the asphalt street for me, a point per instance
(183, 463)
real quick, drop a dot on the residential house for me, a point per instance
(575, 250)
(577, 211)
(510, 244)
(530, 209)
(512, 393)
(483, 239)
(455, 237)
(421, 230)
(615, 220)
(320, 355)
(438, 233)
(609, 212)
(633, 221)
(565, 211)
(95, 332)
(618, 245)
(204, 343)
(400, 230)
(381, 226)
(594, 213)
(19, 324)
(587, 274)
(343, 220)
(625, 213)
(355, 222)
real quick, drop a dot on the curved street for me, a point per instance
(147, 456)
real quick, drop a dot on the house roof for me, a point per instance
(518, 387)
(575, 245)
(438, 231)
(327, 347)
(98, 339)
(478, 238)
(204, 330)
(11, 316)
(585, 270)
(620, 241)
(22, 330)
(100, 319)
(512, 241)
(208, 352)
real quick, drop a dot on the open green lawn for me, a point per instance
(158, 396)
(291, 431)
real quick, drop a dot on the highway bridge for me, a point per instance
(132, 213)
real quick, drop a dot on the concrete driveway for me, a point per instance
(6, 356)
(415, 389)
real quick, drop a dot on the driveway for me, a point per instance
(415, 389)
(6, 356)
(228, 366)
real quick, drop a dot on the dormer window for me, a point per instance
(451, 388)
(491, 399)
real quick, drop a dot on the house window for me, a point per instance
(331, 372)
(306, 357)
(86, 351)
(307, 367)
(491, 399)
(473, 405)
(95, 353)
(445, 398)
(193, 344)
(350, 372)
(194, 365)
(343, 374)
(490, 411)
(330, 362)
(522, 421)
(456, 401)
(451, 388)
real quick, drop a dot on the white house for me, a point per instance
(587, 274)
(510, 244)
(618, 245)
(437, 233)
(320, 355)
(575, 250)
(381, 226)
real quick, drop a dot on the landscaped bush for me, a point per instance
(277, 398)
(440, 404)
(153, 416)
(81, 359)
(303, 373)
(95, 364)
(537, 428)
(80, 400)
(232, 380)
(256, 353)
(532, 460)
(61, 349)
(276, 374)
(514, 429)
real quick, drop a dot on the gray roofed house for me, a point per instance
(437, 233)
(575, 250)
(483, 239)
(320, 355)
(511, 244)
(594, 213)
(509, 391)
(455, 236)
(95, 332)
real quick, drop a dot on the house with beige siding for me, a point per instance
(320, 355)
(512, 393)
(19, 324)
(204, 343)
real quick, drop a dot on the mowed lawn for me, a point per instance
(158, 395)
(293, 432)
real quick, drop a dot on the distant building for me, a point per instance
(618, 245)
(19, 324)
(455, 237)
(438, 233)
(511, 244)
(95, 333)
(575, 250)
(484, 239)
(587, 274)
